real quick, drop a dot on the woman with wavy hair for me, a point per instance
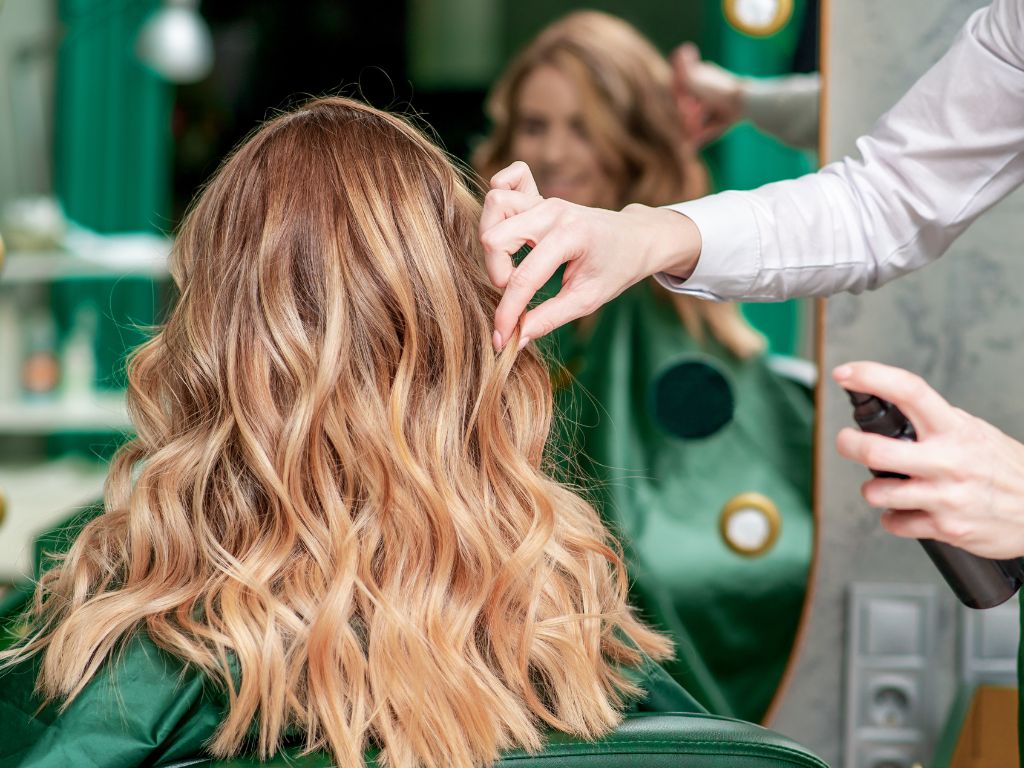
(672, 407)
(336, 522)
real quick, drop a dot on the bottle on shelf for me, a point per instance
(78, 357)
(40, 369)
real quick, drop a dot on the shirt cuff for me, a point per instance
(730, 253)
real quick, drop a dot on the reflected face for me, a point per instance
(550, 135)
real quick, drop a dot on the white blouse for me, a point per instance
(950, 149)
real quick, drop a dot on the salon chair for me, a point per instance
(651, 740)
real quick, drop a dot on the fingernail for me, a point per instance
(842, 372)
(497, 340)
(523, 342)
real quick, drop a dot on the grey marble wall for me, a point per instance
(958, 323)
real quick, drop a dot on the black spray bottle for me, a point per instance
(978, 581)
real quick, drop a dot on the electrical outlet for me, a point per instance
(890, 648)
(891, 702)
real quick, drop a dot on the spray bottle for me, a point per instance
(979, 582)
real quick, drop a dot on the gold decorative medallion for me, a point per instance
(750, 524)
(758, 18)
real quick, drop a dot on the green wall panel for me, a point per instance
(112, 125)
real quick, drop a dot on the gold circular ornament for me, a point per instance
(758, 18)
(3, 507)
(750, 524)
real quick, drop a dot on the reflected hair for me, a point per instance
(625, 86)
(338, 504)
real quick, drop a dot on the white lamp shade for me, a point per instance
(175, 42)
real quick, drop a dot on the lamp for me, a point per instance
(175, 42)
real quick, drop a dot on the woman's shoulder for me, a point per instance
(143, 705)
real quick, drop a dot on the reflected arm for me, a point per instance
(785, 107)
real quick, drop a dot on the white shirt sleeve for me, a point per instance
(950, 149)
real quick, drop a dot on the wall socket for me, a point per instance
(889, 656)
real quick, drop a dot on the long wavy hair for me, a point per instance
(337, 504)
(630, 113)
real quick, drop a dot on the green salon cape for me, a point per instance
(734, 617)
(145, 707)
(148, 709)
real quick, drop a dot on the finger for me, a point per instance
(893, 493)
(529, 277)
(706, 135)
(682, 59)
(501, 204)
(926, 409)
(692, 116)
(714, 126)
(886, 454)
(517, 176)
(502, 240)
(560, 309)
(912, 524)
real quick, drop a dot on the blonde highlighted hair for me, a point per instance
(630, 113)
(337, 487)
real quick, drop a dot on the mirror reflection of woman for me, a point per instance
(589, 106)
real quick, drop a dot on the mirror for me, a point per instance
(689, 423)
(695, 441)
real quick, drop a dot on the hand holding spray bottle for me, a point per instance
(978, 582)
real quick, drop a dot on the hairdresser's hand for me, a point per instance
(709, 98)
(966, 483)
(605, 252)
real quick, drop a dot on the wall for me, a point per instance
(112, 120)
(957, 323)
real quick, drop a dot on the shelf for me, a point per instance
(87, 254)
(21, 268)
(105, 413)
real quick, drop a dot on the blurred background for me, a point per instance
(114, 112)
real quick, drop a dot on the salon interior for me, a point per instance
(746, 536)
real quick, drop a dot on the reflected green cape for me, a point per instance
(734, 617)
